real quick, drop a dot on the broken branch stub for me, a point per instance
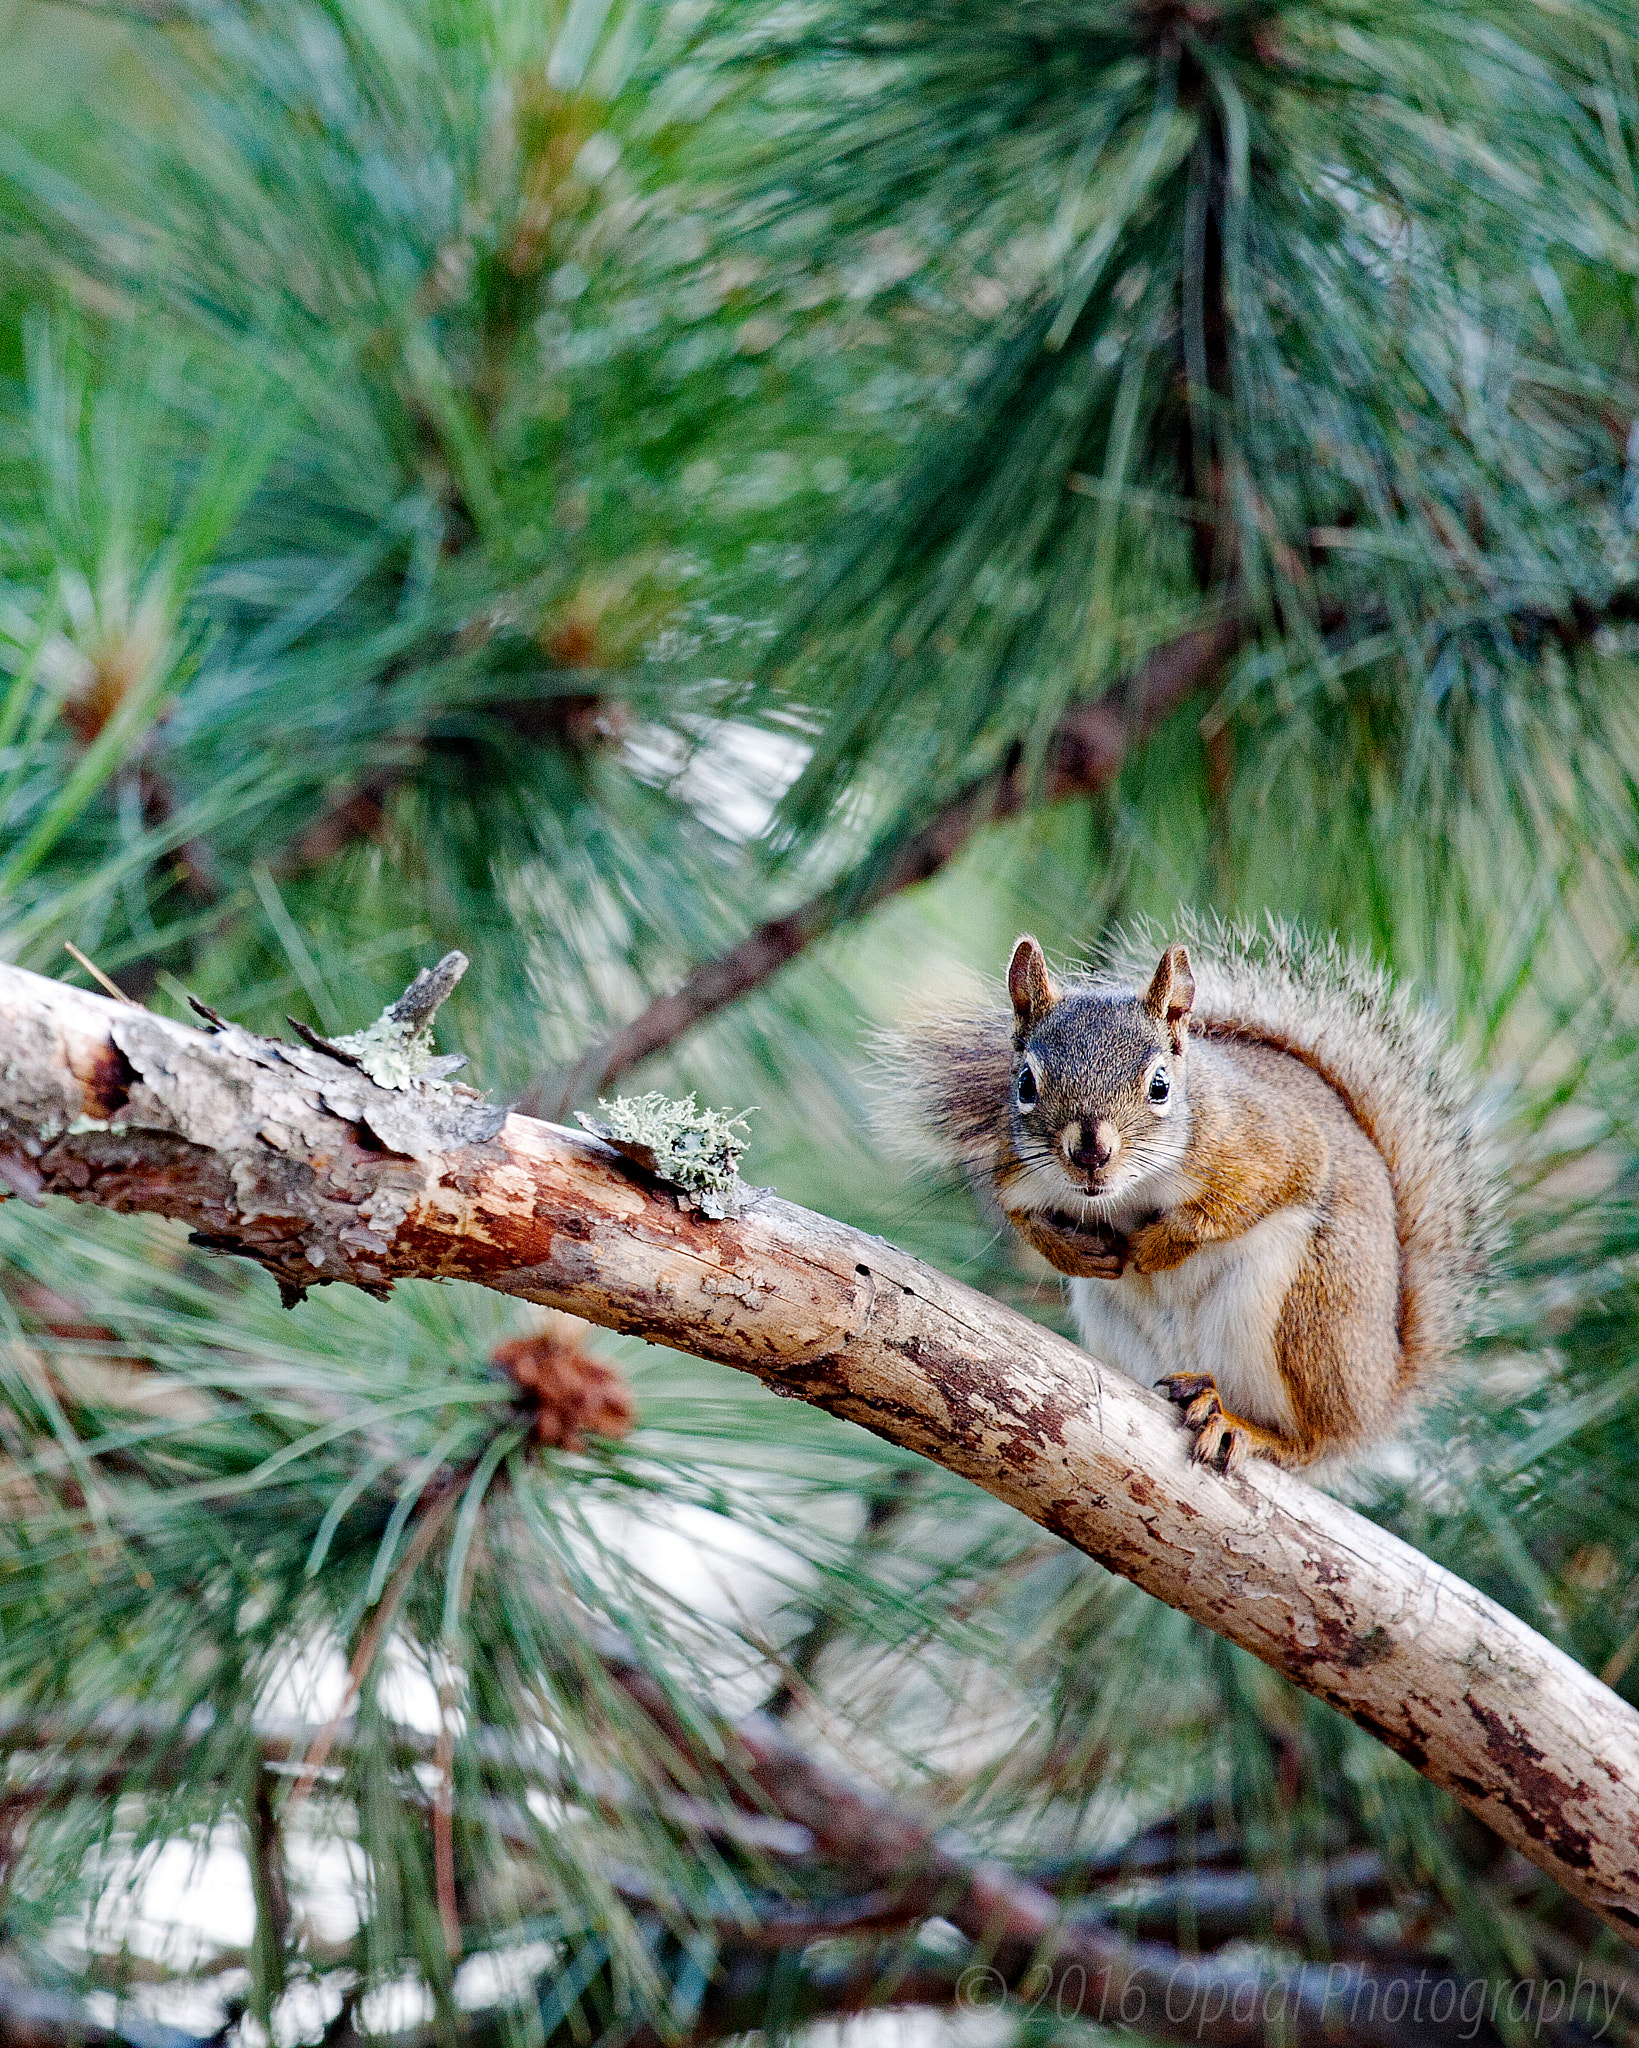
(421, 1001)
(397, 1049)
(304, 1163)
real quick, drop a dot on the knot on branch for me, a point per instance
(571, 1392)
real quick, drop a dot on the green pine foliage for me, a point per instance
(1264, 307)
(562, 482)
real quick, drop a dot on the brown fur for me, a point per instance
(1267, 1133)
(1308, 1097)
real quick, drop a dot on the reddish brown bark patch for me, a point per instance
(1540, 1808)
(106, 1078)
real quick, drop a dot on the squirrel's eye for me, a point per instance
(1160, 1086)
(1028, 1092)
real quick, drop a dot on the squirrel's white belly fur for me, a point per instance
(1215, 1312)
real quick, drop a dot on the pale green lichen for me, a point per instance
(392, 1052)
(397, 1049)
(695, 1149)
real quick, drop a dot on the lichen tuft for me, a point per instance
(695, 1149)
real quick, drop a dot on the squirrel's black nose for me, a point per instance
(1091, 1150)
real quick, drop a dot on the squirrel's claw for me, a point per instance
(1185, 1386)
(1221, 1445)
(1219, 1441)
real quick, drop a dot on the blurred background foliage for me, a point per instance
(579, 482)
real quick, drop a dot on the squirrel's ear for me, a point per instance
(1172, 993)
(1028, 984)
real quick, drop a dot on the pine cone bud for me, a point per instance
(573, 1393)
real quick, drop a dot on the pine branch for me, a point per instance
(1021, 1932)
(1020, 1939)
(910, 1870)
(801, 1814)
(1085, 754)
(303, 1163)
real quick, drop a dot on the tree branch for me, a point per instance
(303, 1163)
(1086, 1969)
(911, 1869)
(1012, 1923)
(895, 1866)
(1084, 754)
(1021, 1942)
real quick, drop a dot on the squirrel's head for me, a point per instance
(1098, 1100)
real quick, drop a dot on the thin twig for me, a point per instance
(449, 1910)
(1084, 754)
(430, 1521)
(103, 982)
(443, 1805)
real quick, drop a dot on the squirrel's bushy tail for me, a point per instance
(1392, 1061)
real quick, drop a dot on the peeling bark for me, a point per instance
(303, 1163)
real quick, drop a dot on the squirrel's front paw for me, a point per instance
(1086, 1251)
(1100, 1257)
(1220, 1439)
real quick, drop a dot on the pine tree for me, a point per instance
(583, 485)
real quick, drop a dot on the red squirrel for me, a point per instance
(1260, 1165)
